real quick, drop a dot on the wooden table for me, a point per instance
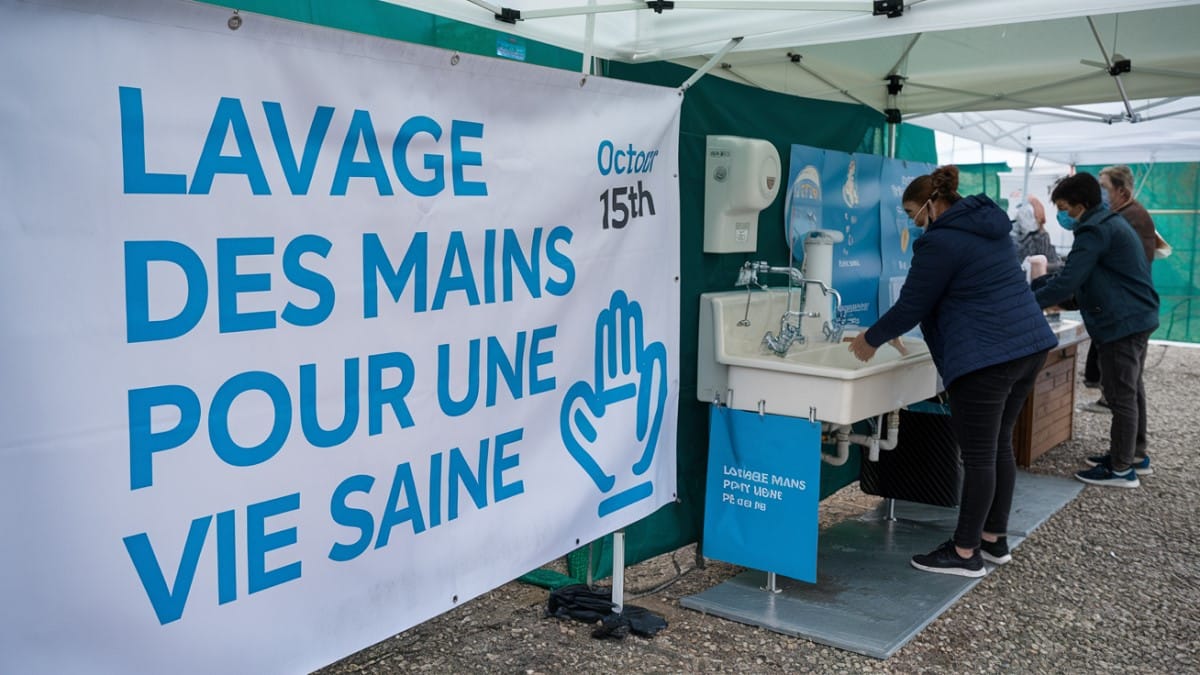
(1049, 413)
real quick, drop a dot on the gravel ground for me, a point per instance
(1110, 583)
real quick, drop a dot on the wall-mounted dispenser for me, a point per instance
(741, 178)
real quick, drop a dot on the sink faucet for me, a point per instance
(789, 334)
(832, 327)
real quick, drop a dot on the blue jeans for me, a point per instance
(1121, 365)
(984, 406)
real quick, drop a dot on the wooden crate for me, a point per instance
(1049, 412)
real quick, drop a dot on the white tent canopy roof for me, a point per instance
(952, 56)
(1169, 132)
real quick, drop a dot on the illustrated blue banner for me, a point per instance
(764, 480)
(803, 210)
(847, 194)
(852, 207)
(897, 231)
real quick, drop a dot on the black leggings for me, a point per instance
(984, 405)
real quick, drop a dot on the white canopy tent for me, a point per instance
(1169, 131)
(1078, 80)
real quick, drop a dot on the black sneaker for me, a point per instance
(1141, 466)
(995, 552)
(1099, 406)
(1103, 475)
(944, 560)
(1091, 384)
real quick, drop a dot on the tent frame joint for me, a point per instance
(508, 15)
(1120, 66)
(889, 8)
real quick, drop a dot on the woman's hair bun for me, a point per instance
(945, 180)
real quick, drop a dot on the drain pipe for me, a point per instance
(873, 442)
(893, 435)
(843, 445)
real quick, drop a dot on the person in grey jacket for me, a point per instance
(988, 339)
(1108, 277)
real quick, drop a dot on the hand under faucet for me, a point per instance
(864, 352)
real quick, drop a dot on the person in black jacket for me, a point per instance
(1117, 183)
(1108, 275)
(988, 339)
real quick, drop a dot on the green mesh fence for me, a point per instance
(1171, 193)
(974, 179)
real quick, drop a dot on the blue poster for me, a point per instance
(896, 229)
(802, 212)
(852, 208)
(764, 480)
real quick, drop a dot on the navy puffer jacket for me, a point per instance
(966, 289)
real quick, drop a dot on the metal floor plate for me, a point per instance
(867, 598)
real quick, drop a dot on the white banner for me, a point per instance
(309, 336)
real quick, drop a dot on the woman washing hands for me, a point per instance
(988, 339)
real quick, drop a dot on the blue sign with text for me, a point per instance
(764, 481)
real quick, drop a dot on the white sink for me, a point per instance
(818, 380)
(1068, 331)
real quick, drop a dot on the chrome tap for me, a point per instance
(832, 328)
(789, 334)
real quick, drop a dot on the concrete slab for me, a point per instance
(867, 598)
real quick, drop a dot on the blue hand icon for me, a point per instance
(628, 372)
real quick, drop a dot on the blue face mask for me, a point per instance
(1067, 222)
(1104, 198)
(915, 231)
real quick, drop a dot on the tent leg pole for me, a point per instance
(618, 565)
(772, 584)
(589, 40)
(1028, 165)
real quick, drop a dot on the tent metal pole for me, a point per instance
(911, 43)
(1009, 96)
(1115, 76)
(589, 38)
(1028, 164)
(895, 84)
(618, 570)
(712, 61)
(729, 69)
(1175, 112)
(494, 9)
(576, 11)
(983, 167)
(855, 6)
(796, 60)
